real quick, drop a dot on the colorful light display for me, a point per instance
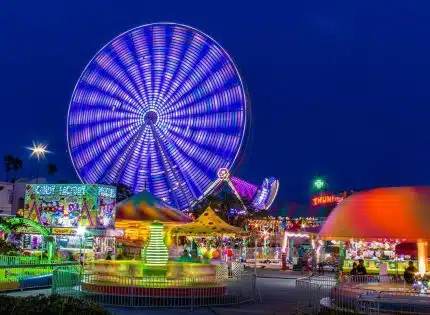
(319, 183)
(160, 108)
(266, 194)
(156, 253)
(326, 199)
(70, 205)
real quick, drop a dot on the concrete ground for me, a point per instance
(277, 290)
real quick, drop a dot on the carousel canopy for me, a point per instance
(400, 213)
(146, 207)
(207, 223)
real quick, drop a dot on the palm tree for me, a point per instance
(16, 165)
(8, 164)
(52, 169)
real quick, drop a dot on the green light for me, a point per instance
(156, 253)
(319, 183)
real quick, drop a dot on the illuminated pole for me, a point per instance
(81, 232)
(319, 184)
(37, 171)
(39, 150)
(422, 257)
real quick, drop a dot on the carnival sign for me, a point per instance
(326, 200)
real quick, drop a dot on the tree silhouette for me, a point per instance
(16, 166)
(52, 169)
(122, 191)
(8, 161)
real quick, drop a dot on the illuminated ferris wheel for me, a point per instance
(160, 108)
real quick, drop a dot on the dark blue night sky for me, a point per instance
(337, 89)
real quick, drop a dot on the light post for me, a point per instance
(81, 230)
(39, 150)
(319, 184)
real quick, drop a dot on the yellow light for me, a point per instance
(422, 257)
(39, 150)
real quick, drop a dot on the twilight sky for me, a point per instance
(338, 89)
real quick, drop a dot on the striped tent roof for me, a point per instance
(146, 207)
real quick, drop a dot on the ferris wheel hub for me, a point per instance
(151, 117)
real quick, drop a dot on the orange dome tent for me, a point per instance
(397, 213)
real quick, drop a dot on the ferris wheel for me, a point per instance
(161, 108)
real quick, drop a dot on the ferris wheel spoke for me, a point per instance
(208, 73)
(226, 100)
(122, 157)
(194, 168)
(159, 59)
(83, 138)
(124, 53)
(111, 66)
(102, 155)
(208, 144)
(140, 52)
(170, 166)
(132, 159)
(167, 173)
(198, 165)
(189, 52)
(209, 88)
(98, 79)
(179, 160)
(93, 98)
(191, 81)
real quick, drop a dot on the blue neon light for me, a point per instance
(160, 108)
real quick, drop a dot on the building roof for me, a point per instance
(401, 213)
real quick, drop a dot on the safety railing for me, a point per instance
(394, 302)
(313, 289)
(26, 260)
(360, 295)
(357, 279)
(22, 277)
(155, 291)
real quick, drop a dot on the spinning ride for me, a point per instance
(261, 197)
(161, 108)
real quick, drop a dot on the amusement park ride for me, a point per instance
(261, 197)
(162, 108)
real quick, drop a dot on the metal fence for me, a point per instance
(353, 295)
(315, 288)
(25, 260)
(155, 291)
(22, 277)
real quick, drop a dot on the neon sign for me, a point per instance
(323, 200)
(62, 190)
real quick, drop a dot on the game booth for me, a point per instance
(274, 237)
(369, 225)
(213, 238)
(80, 218)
